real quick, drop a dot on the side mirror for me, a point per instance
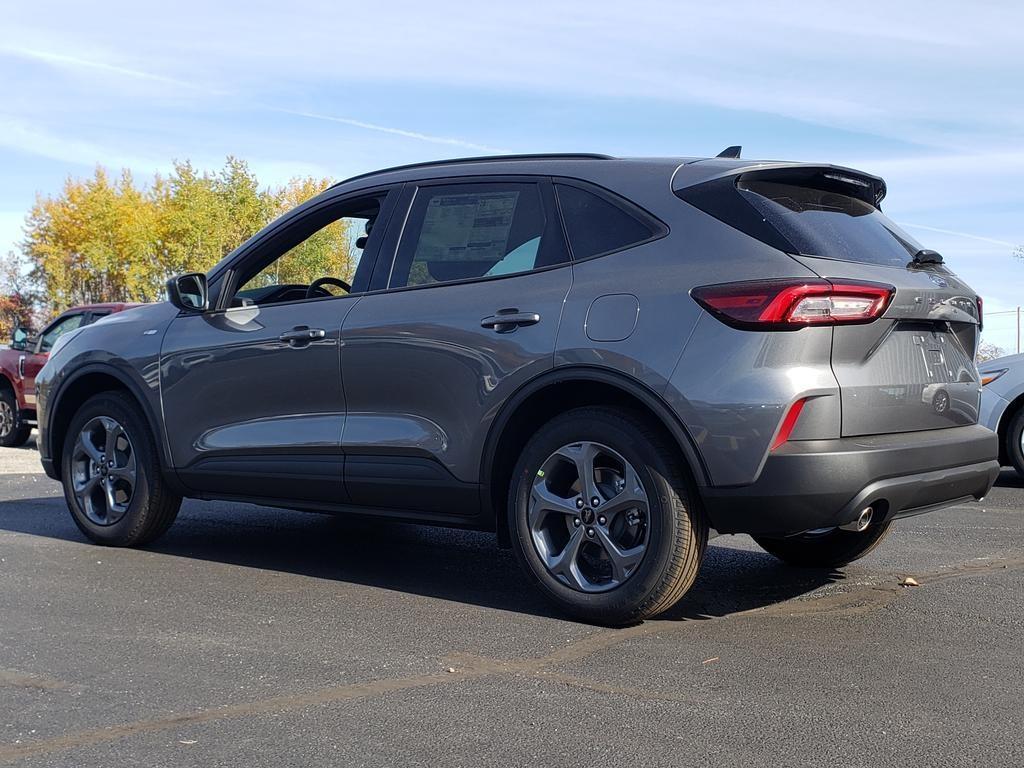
(19, 339)
(189, 292)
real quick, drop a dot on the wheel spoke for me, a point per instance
(564, 563)
(115, 509)
(632, 496)
(623, 560)
(85, 488)
(114, 431)
(124, 470)
(123, 473)
(543, 500)
(583, 456)
(85, 445)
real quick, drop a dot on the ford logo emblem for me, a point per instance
(939, 281)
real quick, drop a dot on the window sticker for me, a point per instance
(471, 226)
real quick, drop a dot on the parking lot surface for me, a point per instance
(256, 637)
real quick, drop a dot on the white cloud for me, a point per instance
(967, 235)
(76, 63)
(23, 136)
(431, 139)
(938, 72)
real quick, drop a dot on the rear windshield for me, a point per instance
(828, 223)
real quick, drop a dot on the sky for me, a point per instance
(929, 95)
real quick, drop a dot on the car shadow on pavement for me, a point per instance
(1008, 478)
(461, 566)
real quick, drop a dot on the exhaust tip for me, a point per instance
(862, 522)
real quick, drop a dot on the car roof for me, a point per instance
(606, 170)
(573, 164)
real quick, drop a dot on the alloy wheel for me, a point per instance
(588, 517)
(103, 470)
(6, 418)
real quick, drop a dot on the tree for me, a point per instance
(327, 252)
(989, 351)
(104, 239)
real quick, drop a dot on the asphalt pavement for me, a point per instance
(250, 636)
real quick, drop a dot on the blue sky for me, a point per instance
(929, 95)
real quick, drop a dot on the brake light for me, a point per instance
(791, 304)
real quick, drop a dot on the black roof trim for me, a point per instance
(481, 159)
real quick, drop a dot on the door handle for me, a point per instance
(301, 336)
(507, 320)
(21, 367)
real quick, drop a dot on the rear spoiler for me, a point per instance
(727, 173)
(710, 185)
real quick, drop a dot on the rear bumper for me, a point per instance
(809, 484)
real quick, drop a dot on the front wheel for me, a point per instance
(603, 517)
(111, 474)
(828, 549)
(1014, 445)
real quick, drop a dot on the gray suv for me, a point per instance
(606, 361)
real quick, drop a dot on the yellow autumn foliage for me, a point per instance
(111, 239)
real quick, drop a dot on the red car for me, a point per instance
(20, 363)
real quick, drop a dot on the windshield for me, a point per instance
(828, 223)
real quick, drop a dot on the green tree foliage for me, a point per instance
(110, 239)
(328, 252)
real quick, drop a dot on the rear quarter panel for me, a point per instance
(730, 388)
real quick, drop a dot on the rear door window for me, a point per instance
(474, 230)
(595, 225)
(824, 222)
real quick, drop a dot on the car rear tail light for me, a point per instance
(790, 304)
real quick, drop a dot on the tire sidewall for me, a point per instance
(17, 434)
(126, 529)
(1013, 438)
(662, 520)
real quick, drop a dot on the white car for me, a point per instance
(1002, 406)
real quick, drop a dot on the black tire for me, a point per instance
(152, 506)
(825, 550)
(1012, 446)
(13, 431)
(676, 529)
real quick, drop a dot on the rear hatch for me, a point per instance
(910, 369)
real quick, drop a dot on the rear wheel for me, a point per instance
(827, 549)
(1014, 444)
(603, 519)
(111, 474)
(13, 432)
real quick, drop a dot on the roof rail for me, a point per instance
(481, 159)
